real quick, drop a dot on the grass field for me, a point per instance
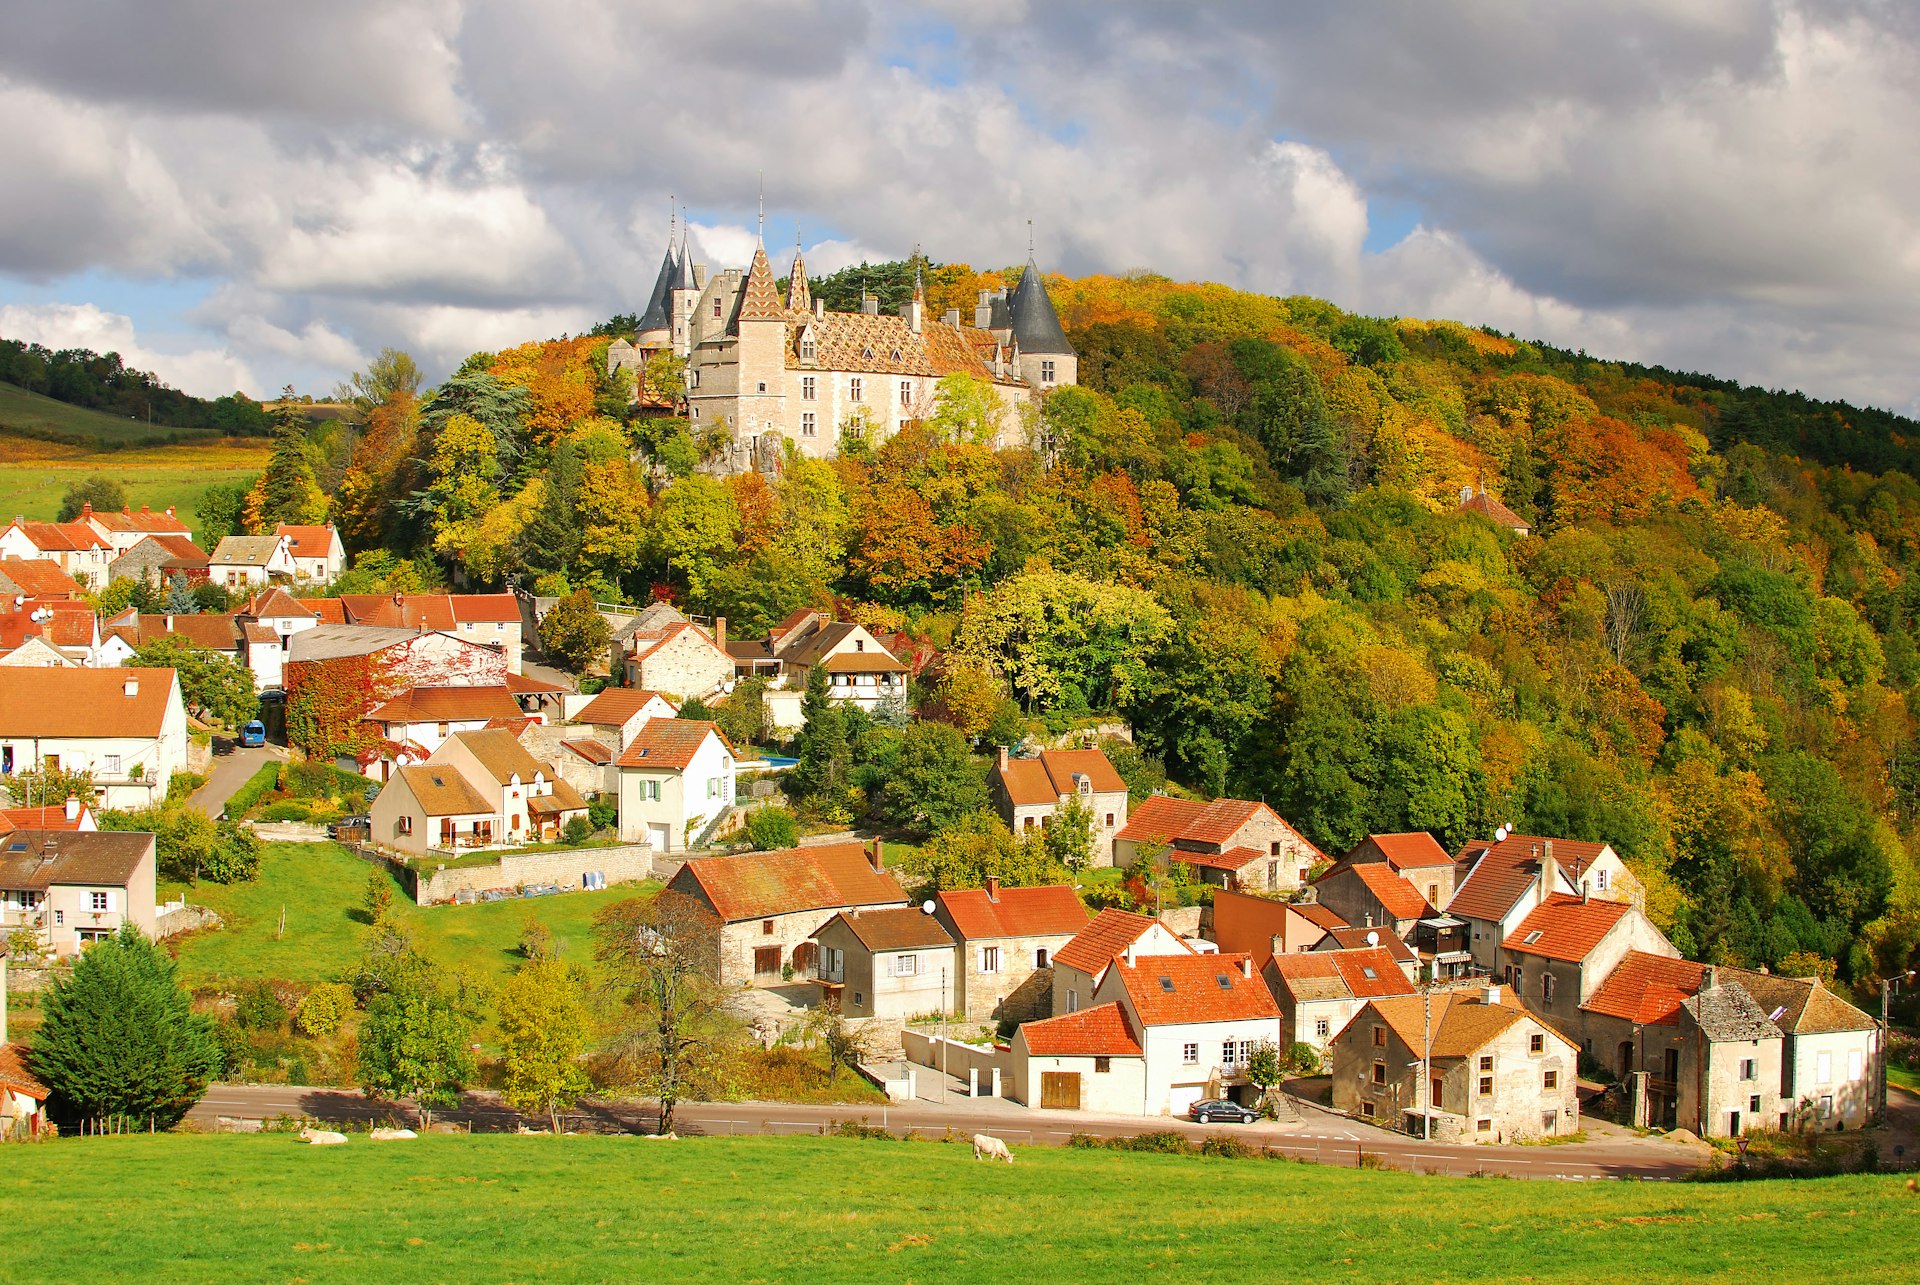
(507, 1208)
(1905, 1077)
(35, 474)
(29, 412)
(321, 886)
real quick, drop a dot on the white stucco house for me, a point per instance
(676, 778)
(239, 561)
(128, 727)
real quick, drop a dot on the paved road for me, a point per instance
(1321, 1136)
(230, 772)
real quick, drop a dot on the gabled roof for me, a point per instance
(245, 550)
(1502, 872)
(1101, 1031)
(79, 703)
(893, 928)
(669, 744)
(1234, 859)
(598, 753)
(563, 798)
(1646, 989)
(501, 754)
(331, 642)
(61, 537)
(761, 885)
(309, 541)
(442, 791)
(1166, 990)
(209, 632)
(1413, 850)
(614, 706)
(146, 521)
(1800, 1005)
(1727, 1013)
(14, 1075)
(36, 860)
(1050, 911)
(1351, 938)
(1339, 974)
(1046, 778)
(446, 705)
(51, 817)
(522, 685)
(440, 611)
(1395, 895)
(276, 601)
(1316, 914)
(178, 552)
(1036, 326)
(1105, 940)
(1488, 507)
(1565, 927)
(1461, 1024)
(1186, 822)
(38, 578)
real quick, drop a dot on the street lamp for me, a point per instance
(1887, 986)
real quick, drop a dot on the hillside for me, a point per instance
(30, 415)
(499, 1208)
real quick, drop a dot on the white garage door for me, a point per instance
(657, 835)
(1182, 1096)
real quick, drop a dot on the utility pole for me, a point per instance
(1426, 1063)
(1886, 991)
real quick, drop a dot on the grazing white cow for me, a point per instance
(323, 1138)
(990, 1149)
(391, 1135)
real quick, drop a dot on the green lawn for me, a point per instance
(30, 412)
(1904, 1077)
(321, 885)
(32, 480)
(507, 1208)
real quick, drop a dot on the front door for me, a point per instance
(1060, 1090)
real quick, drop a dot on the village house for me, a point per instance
(1694, 1052)
(22, 1097)
(490, 620)
(76, 887)
(24, 646)
(159, 560)
(127, 727)
(427, 716)
(1476, 500)
(202, 631)
(1005, 943)
(1478, 1066)
(895, 962)
(31, 628)
(267, 626)
(1318, 993)
(1029, 793)
(1196, 1019)
(1559, 955)
(1371, 894)
(1830, 1051)
(770, 904)
(674, 657)
(1082, 964)
(1372, 939)
(75, 547)
(1414, 856)
(676, 779)
(477, 789)
(1261, 927)
(240, 561)
(615, 714)
(74, 814)
(318, 554)
(125, 529)
(1231, 843)
(386, 661)
(1504, 879)
(861, 670)
(36, 578)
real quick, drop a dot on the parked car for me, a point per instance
(1212, 1110)
(350, 827)
(253, 735)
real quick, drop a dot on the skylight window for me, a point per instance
(1534, 936)
(1166, 984)
(1225, 985)
(1369, 974)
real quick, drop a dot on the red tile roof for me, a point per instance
(278, 602)
(1165, 819)
(1318, 915)
(521, 685)
(1101, 1031)
(40, 578)
(1050, 911)
(1234, 859)
(1502, 872)
(1346, 970)
(596, 752)
(1647, 988)
(614, 706)
(15, 1076)
(761, 885)
(1396, 896)
(51, 817)
(61, 537)
(209, 632)
(438, 611)
(75, 703)
(1046, 778)
(668, 743)
(1414, 850)
(145, 521)
(1159, 818)
(1105, 939)
(1565, 927)
(1488, 507)
(181, 552)
(447, 705)
(1167, 990)
(1356, 939)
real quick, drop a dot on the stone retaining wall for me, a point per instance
(627, 863)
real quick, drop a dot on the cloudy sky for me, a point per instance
(253, 192)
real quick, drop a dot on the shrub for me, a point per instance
(236, 1051)
(1303, 1058)
(323, 1009)
(267, 778)
(286, 810)
(1227, 1147)
(603, 811)
(257, 1008)
(771, 828)
(1164, 1142)
(861, 1129)
(577, 830)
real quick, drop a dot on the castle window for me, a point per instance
(693, 379)
(806, 388)
(716, 307)
(762, 386)
(906, 392)
(853, 388)
(807, 427)
(808, 349)
(1046, 372)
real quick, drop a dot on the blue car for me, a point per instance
(253, 735)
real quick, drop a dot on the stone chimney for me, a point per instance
(1549, 871)
(1129, 954)
(873, 856)
(1491, 995)
(819, 307)
(952, 318)
(73, 808)
(870, 304)
(1246, 966)
(993, 887)
(1275, 945)
(720, 632)
(1002, 757)
(1368, 917)
(86, 510)
(913, 310)
(1710, 979)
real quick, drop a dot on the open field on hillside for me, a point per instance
(321, 886)
(30, 413)
(507, 1208)
(34, 474)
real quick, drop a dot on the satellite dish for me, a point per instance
(1500, 835)
(1373, 939)
(926, 907)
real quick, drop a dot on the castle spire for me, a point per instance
(799, 296)
(1036, 326)
(759, 298)
(658, 313)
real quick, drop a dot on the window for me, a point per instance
(1533, 937)
(906, 392)
(1190, 1054)
(1753, 1104)
(1433, 894)
(1046, 372)
(713, 787)
(1366, 970)
(1550, 1080)
(649, 791)
(906, 965)
(1536, 1043)
(60, 917)
(1486, 1064)
(716, 306)
(1519, 982)
(1102, 1065)
(989, 959)
(806, 388)
(1039, 956)
(807, 426)
(1822, 1069)
(1600, 880)
(403, 825)
(1229, 1056)
(1073, 1001)
(761, 386)
(1546, 988)
(96, 901)
(1749, 1069)
(112, 763)
(693, 379)
(1303, 874)
(1379, 1072)
(1486, 1086)
(696, 412)
(766, 927)
(1826, 1099)
(1366, 1110)
(1855, 1064)
(858, 999)
(859, 644)
(1483, 1126)
(1322, 1028)
(1379, 1037)
(1109, 820)
(808, 350)
(853, 388)
(467, 625)
(1246, 1052)
(1273, 849)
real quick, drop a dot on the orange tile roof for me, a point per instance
(447, 705)
(1340, 974)
(1395, 895)
(61, 537)
(1165, 819)
(181, 552)
(1414, 850)
(1647, 988)
(1565, 927)
(1487, 506)
(614, 706)
(1168, 990)
(308, 541)
(40, 578)
(521, 685)
(761, 885)
(595, 752)
(1461, 1024)
(15, 1076)
(1318, 915)
(278, 602)
(668, 743)
(209, 632)
(442, 790)
(51, 817)
(1232, 859)
(1159, 818)
(1046, 778)
(1501, 873)
(1351, 938)
(893, 928)
(1050, 911)
(145, 521)
(76, 703)
(437, 611)
(1104, 940)
(1101, 1031)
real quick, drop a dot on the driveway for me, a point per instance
(230, 772)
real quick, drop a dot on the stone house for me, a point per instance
(680, 660)
(1500, 881)
(159, 560)
(676, 779)
(1372, 894)
(770, 904)
(1229, 842)
(1830, 1051)
(1082, 964)
(384, 662)
(896, 962)
(1416, 857)
(1559, 955)
(36, 578)
(128, 727)
(426, 717)
(861, 670)
(1263, 927)
(77, 887)
(125, 529)
(1028, 793)
(1005, 941)
(615, 714)
(239, 561)
(1476, 500)
(1479, 1066)
(1319, 992)
(490, 620)
(1091, 1059)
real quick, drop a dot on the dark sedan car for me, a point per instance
(1212, 1110)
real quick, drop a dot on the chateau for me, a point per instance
(775, 369)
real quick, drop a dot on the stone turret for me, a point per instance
(1042, 355)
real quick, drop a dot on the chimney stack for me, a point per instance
(870, 304)
(86, 510)
(1246, 966)
(952, 318)
(73, 808)
(993, 887)
(1491, 995)
(1275, 945)
(1549, 872)
(1002, 757)
(1369, 920)
(1710, 979)
(132, 687)
(720, 632)
(1129, 954)
(983, 310)
(819, 307)
(873, 855)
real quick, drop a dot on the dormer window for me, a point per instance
(808, 349)
(896, 354)
(867, 353)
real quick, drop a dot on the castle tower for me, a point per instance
(799, 297)
(683, 294)
(656, 319)
(1042, 355)
(759, 323)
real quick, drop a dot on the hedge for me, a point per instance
(247, 795)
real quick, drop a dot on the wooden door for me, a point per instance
(1060, 1090)
(766, 961)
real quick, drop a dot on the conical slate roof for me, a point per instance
(657, 314)
(683, 272)
(1036, 326)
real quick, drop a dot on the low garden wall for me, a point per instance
(950, 1057)
(626, 863)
